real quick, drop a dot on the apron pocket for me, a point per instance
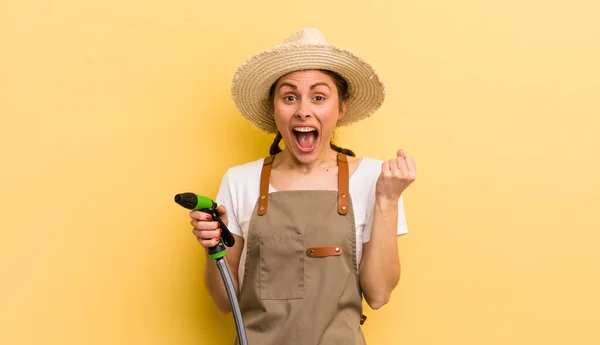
(281, 267)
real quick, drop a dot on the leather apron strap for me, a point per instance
(265, 174)
(343, 184)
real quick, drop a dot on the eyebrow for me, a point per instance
(288, 84)
(321, 83)
(311, 87)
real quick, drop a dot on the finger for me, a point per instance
(222, 211)
(412, 166)
(200, 215)
(204, 225)
(401, 153)
(207, 234)
(394, 167)
(402, 167)
(385, 168)
(209, 243)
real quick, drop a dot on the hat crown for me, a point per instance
(305, 49)
(308, 36)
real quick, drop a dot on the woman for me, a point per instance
(315, 227)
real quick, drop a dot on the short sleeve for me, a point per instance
(402, 228)
(226, 197)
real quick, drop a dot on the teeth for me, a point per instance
(304, 129)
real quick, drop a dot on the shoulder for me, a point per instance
(368, 166)
(240, 181)
(240, 176)
(243, 171)
(365, 176)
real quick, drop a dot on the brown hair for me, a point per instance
(343, 95)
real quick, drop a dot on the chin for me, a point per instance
(308, 157)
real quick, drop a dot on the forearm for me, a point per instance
(216, 286)
(379, 270)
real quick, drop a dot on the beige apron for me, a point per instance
(300, 284)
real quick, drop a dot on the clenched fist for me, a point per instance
(396, 175)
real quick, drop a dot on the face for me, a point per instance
(306, 108)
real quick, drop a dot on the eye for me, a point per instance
(319, 98)
(289, 98)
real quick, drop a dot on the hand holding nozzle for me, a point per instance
(202, 222)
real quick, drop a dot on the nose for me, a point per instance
(303, 111)
(302, 115)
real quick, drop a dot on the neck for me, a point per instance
(325, 159)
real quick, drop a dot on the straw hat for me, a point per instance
(304, 50)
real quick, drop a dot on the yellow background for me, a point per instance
(109, 108)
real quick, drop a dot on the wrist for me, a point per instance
(386, 203)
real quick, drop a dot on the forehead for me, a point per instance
(307, 76)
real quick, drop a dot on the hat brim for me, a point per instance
(254, 78)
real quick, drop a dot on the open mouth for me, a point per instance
(306, 138)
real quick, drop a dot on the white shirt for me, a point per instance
(239, 192)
